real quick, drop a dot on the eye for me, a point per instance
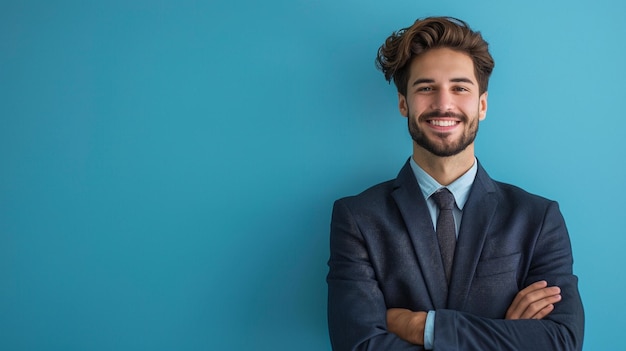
(424, 89)
(460, 89)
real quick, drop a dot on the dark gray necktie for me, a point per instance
(446, 230)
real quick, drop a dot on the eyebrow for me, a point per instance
(453, 80)
(462, 80)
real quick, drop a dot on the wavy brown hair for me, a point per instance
(396, 54)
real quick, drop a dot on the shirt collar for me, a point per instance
(460, 188)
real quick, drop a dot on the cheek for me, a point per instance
(418, 106)
(469, 105)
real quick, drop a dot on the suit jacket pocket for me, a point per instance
(499, 265)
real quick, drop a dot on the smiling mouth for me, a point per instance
(443, 123)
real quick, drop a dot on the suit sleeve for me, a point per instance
(357, 312)
(561, 330)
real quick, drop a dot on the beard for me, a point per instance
(444, 148)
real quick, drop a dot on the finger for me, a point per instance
(527, 290)
(544, 312)
(536, 309)
(530, 301)
(540, 294)
(542, 284)
(535, 301)
(532, 309)
(515, 311)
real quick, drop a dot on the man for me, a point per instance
(490, 270)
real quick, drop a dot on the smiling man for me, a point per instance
(443, 257)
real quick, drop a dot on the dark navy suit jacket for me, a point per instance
(384, 254)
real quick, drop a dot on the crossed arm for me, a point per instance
(359, 318)
(533, 302)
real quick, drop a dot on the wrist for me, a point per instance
(416, 326)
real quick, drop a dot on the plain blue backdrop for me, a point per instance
(167, 168)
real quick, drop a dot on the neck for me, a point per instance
(444, 170)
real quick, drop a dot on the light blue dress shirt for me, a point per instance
(460, 189)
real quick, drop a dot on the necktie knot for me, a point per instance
(444, 199)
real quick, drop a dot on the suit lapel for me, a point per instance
(412, 205)
(477, 216)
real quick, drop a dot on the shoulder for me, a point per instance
(520, 201)
(508, 193)
(381, 194)
(377, 194)
(515, 192)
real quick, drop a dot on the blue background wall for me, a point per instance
(167, 168)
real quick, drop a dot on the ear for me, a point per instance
(482, 106)
(402, 105)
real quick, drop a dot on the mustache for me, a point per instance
(436, 114)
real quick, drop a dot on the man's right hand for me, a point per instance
(407, 325)
(534, 302)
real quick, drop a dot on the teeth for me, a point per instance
(443, 123)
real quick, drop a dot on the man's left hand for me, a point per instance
(534, 302)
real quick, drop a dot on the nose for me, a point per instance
(443, 100)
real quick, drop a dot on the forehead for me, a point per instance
(442, 64)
